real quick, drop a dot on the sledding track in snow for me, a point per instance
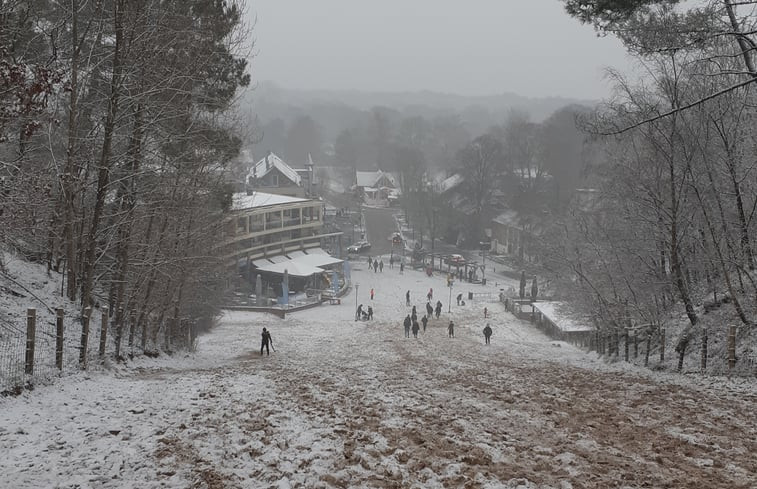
(355, 404)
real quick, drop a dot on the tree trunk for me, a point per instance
(69, 195)
(103, 176)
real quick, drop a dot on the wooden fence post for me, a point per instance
(59, 338)
(167, 334)
(132, 327)
(662, 344)
(704, 348)
(84, 338)
(145, 320)
(635, 344)
(731, 348)
(31, 330)
(119, 331)
(103, 331)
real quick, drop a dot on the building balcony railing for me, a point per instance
(226, 240)
(278, 247)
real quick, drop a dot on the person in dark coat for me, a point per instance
(416, 328)
(429, 310)
(370, 313)
(424, 320)
(359, 312)
(402, 267)
(459, 298)
(391, 261)
(451, 329)
(438, 308)
(406, 323)
(265, 341)
(407, 298)
(487, 333)
(381, 266)
(370, 262)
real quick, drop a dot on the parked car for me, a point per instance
(396, 239)
(359, 247)
(455, 260)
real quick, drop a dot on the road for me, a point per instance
(379, 225)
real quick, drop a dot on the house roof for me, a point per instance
(373, 178)
(508, 218)
(451, 182)
(261, 169)
(242, 201)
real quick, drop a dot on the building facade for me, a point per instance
(263, 225)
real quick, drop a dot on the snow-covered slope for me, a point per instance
(345, 403)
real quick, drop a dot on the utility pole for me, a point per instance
(357, 286)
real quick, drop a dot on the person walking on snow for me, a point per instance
(370, 313)
(416, 328)
(375, 266)
(406, 323)
(430, 294)
(438, 308)
(402, 267)
(370, 263)
(391, 261)
(451, 329)
(429, 310)
(381, 266)
(487, 333)
(371, 293)
(407, 298)
(424, 320)
(459, 298)
(486, 312)
(359, 312)
(266, 339)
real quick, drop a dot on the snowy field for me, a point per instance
(355, 404)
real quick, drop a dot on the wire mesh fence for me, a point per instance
(53, 344)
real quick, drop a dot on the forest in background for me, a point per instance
(115, 136)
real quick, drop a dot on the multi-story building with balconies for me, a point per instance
(263, 228)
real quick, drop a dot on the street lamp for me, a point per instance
(357, 286)
(450, 282)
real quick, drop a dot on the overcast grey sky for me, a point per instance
(473, 47)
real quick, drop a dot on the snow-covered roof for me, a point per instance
(508, 218)
(451, 182)
(555, 312)
(299, 263)
(261, 169)
(373, 178)
(242, 201)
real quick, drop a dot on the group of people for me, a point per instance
(365, 315)
(375, 265)
(411, 320)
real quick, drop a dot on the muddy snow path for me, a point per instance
(373, 409)
(355, 404)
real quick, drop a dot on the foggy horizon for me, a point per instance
(431, 46)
